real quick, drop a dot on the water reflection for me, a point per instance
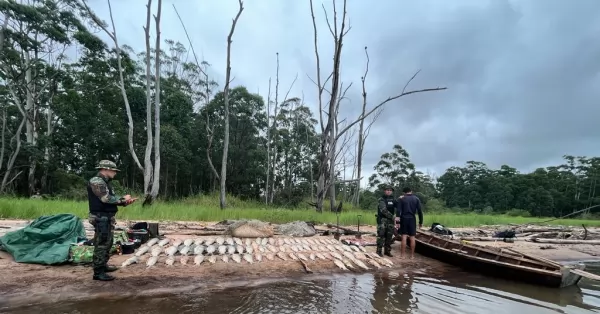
(387, 292)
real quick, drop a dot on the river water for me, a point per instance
(385, 292)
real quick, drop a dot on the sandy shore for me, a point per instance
(26, 283)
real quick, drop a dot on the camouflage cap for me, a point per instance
(388, 187)
(107, 164)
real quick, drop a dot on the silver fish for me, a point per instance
(272, 248)
(171, 250)
(297, 240)
(312, 256)
(282, 256)
(310, 241)
(360, 255)
(156, 250)
(198, 241)
(374, 263)
(142, 250)
(248, 258)
(248, 241)
(339, 264)
(283, 248)
(129, 261)
(258, 240)
(170, 261)
(254, 246)
(210, 249)
(249, 249)
(355, 248)
(239, 248)
(184, 260)
(272, 241)
(230, 249)
(336, 255)
(320, 255)
(151, 261)
(177, 242)
(295, 248)
(293, 256)
(198, 259)
(209, 241)
(302, 257)
(327, 255)
(264, 241)
(262, 249)
(212, 259)
(314, 247)
(163, 242)
(387, 261)
(270, 256)
(348, 264)
(238, 241)
(280, 242)
(347, 248)
(348, 255)
(198, 250)
(225, 258)
(330, 248)
(287, 241)
(306, 247)
(362, 248)
(222, 249)
(220, 240)
(258, 257)
(360, 264)
(188, 242)
(151, 242)
(185, 250)
(236, 258)
(322, 248)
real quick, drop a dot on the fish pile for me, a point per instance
(256, 250)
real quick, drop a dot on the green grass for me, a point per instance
(206, 208)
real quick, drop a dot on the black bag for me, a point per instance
(439, 229)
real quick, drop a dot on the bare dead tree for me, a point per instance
(329, 136)
(273, 128)
(223, 191)
(268, 144)
(156, 176)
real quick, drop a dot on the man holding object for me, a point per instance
(103, 207)
(409, 206)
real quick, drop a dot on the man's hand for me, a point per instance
(129, 200)
(397, 219)
(127, 197)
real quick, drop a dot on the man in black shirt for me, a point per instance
(409, 206)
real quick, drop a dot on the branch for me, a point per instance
(319, 85)
(189, 40)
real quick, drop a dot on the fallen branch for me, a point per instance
(535, 230)
(586, 232)
(346, 230)
(561, 241)
(489, 239)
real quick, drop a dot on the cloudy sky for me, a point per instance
(523, 77)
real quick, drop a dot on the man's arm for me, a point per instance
(100, 189)
(419, 211)
(399, 208)
(382, 207)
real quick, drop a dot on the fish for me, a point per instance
(171, 250)
(306, 247)
(225, 258)
(170, 261)
(347, 248)
(320, 255)
(272, 248)
(151, 242)
(188, 242)
(220, 240)
(355, 248)
(312, 256)
(184, 260)
(209, 241)
(270, 256)
(198, 250)
(347, 263)
(151, 261)
(282, 256)
(283, 248)
(258, 257)
(236, 258)
(314, 247)
(249, 249)
(212, 259)
(198, 259)
(229, 241)
(295, 248)
(327, 255)
(297, 240)
(258, 241)
(248, 258)
(310, 241)
(287, 241)
(210, 249)
(239, 248)
(387, 261)
(156, 250)
(330, 248)
(280, 242)
(185, 250)
(360, 255)
(362, 248)
(198, 241)
(336, 255)
(238, 241)
(271, 241)
(230, 249)
(348, 255)
(293, 256)
(264, 241)
(302, 257)
(248, 241)
(129, 261)
(322, 248)
(177, 242)
(339, 264)
(222, 249)
(163, 242)
(262, 249)
(360, 264)
(374, 263)
(255, 246)
(142, 251)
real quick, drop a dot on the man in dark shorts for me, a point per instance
(409, 206)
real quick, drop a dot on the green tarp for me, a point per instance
(46, 240)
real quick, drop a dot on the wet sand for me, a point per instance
(27, 283)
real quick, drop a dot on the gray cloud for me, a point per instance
(523, 76)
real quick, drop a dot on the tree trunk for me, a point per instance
(156, 181)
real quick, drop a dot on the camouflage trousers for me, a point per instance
(385, 234)
(103, 242)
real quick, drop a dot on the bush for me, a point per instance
(518, 213)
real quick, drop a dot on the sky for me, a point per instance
(522, 77)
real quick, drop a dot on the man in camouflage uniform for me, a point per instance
(385, 222)
(103, 207)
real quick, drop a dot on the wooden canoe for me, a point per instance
(499, 262)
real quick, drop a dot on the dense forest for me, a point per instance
(168, 125)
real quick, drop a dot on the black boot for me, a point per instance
(103, 277)
(110, 268)
(388, 253)
(379, 252)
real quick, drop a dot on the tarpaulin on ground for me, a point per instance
(46, 240)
